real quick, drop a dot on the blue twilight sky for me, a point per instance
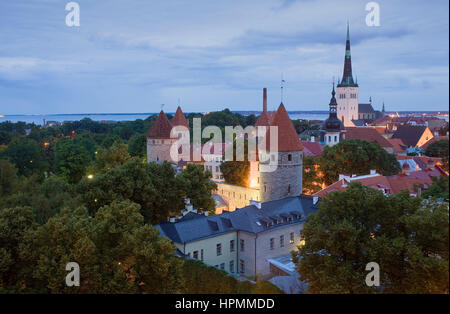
(133, 55)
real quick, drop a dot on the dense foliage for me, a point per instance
(439, 149)
(406, 236)
(84, 192)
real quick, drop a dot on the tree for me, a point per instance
(5, 138)
(439, 149)
(14, 224)
(234, 171)
(439, 188)
(137, 147)
(152, 186)
(112, 157)
(406, 237)
(311, 180)
(8, 178)
(26, 155)
(197, 186)
(115, 250)
(71, 160)
(356, 157)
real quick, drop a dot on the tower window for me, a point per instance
(289, 157)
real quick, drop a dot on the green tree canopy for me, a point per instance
(71, 160)
(439, 149)
(26, 155)
(356, 157)
(408, 239)
(197, 185)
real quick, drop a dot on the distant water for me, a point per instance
(39, 119)
(108, 117)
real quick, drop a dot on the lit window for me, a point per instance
(291, 238)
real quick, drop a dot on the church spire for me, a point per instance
(347, 78)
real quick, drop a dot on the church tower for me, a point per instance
(286, 178)
(333, 127)
(347, 90)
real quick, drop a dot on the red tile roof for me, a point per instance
(161, 128)
(263, 119)
(368, 134)
(399, 146)
(393, 184)
(312, 148)
(179, 119)
(288, 139)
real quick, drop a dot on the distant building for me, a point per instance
(245, 241)
(413, 135)
(369, 134)
(409, 180)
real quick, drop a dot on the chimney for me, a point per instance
(265, 99)
(205, 213)
(172, 219)
(315, 199)
(313, 139)
(373, 171)
(257, 204)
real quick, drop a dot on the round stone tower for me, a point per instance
(281, 170)
(159, 140)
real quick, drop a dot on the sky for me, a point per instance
(131, 56)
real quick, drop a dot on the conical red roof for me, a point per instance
(179, 119)
(263, 119)
(161, 128)
(288, 140)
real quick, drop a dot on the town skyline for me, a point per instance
(116, 60)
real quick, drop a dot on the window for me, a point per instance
(242, 266)
(291, 239)
(189, 255)
(282, 241)
(289, 157)
(265, 188)
(216, 266)
(222, 266)
(329, 138)
(335, 138)
(219, 249)
(217, 169)
(242, 245)
(201, 254)
(195, 254)
(272, 243)
(231, 245)
(231, 266)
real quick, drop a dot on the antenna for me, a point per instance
(162, 106)
(282, 86)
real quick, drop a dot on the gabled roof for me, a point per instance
(409, 134)
(399, 146)
(247, 219)
(312, 148)
(161, 128)
(368, 134)
(179, 119)
(365, 108)
(288, 139)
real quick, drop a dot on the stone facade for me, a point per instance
(347, 109)
(286, 180)
(237, 196)
(158, 150)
